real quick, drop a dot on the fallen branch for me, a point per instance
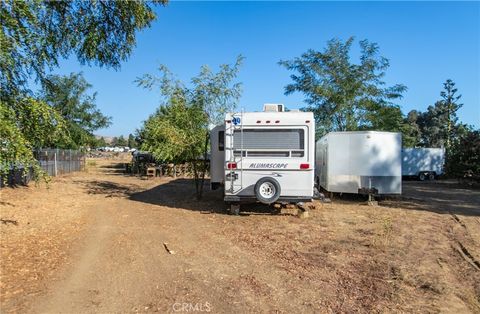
(462, 250)
(167, 249)
(9, 221)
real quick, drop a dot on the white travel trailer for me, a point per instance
(264, 156)
(423, 163)
(364, 162)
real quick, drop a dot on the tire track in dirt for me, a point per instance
(460, 247)
(71, 293)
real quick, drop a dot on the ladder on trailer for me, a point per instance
(234, 159)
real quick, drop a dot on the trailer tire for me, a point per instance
(422, 176)
(431, 176)
(267, 190)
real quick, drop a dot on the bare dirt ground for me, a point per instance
(94, 242)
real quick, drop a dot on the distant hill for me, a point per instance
(107, 139)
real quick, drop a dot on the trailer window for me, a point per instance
(221, 141)
(269, 143)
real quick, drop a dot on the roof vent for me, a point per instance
(273, 108)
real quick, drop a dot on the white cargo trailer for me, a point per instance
(365, 162)
(264, 156)
(423, 163)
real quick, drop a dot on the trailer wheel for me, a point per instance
(431, 176)
(267, 190)
(422, 176)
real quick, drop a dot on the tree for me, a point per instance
(412, 131)
(114, 141)
(391, 119)
(450, 106)
(68, 96)
(121, 141)
(176, 135)
(179, 129)
(40, 124)
(29, 125)
(431, 124)
(101, 142)
(439, 125)
(344, 96)
(132, 143)
(466, 155)
(36, 34)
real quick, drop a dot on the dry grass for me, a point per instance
(406, 255)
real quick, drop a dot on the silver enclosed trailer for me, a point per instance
(365, 162)
(423, 163)
(264, 156)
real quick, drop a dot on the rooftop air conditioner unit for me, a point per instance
(273, 108)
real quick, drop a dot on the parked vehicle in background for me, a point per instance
(264, 156)
(363, 162)
(423, 163)
(121, 149)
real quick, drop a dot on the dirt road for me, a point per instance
(94, 242)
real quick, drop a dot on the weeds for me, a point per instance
(384, 236)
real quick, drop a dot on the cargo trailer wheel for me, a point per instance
(431, 176)
(267, 190)
(422, 176)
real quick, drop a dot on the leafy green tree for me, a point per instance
(114, 141)
(13, 145)
(68, 95)
(391, 119)
(101, 142)
(465, 155)
(178, 135)
(40, 124)
(431, 124)
(122, 141)
(132, 143)
(30, 124)
(450, 106)
(178, 131)
(439, 125)
(36, 34)
(343, 95)
(412, 131)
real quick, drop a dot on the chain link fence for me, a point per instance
(53, 161)
(59, 161)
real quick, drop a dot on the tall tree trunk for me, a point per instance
(199, 172)
(449, 126)
(195, 177)
(205, 163)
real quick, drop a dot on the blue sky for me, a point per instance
(426, 42)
